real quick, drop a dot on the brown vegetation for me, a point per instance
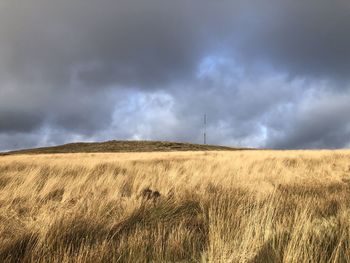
(123, 146)
(228, 206)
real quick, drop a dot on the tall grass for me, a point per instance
(247, 206)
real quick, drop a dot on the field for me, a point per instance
(215, 206)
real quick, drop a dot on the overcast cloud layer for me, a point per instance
(268, 73)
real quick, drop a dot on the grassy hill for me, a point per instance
(122, 146)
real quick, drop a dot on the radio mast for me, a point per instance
(205, 129)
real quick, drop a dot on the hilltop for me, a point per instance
(123, 146)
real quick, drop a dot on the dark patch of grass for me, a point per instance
(272, 250)
(325, 200)
(100, 169)
(148, 194)
(312, 189)
(72, 233)
(290, 162)
(54, 195)
(165, 211)
(19, 249)
(4, 181)
(166, 216)
(126, 187)
(117, 170)
(133, 238)
(13, 167)
(123, 146)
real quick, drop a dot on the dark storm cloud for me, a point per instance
(307, 38)
(128, 42)
(19, 121)
(320, 123)
(152, 42)
(87, 69)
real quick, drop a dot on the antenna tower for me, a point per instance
(205, 129)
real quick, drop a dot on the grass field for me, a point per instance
(218, 206)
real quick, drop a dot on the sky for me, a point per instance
(268, 73)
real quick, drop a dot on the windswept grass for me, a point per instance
(246, 206)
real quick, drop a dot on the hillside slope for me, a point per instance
(122, 146)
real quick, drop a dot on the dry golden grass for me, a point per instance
(247, 206)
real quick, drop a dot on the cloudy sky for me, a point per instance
(268, 73)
